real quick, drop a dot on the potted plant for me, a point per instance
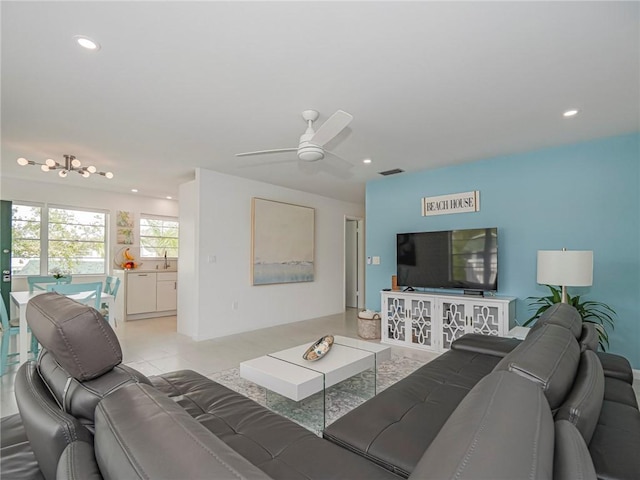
(598, 313)
(57, 274)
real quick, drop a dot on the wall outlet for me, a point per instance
(234, 305)
(211, 259)
(368, 260)
(376, 260)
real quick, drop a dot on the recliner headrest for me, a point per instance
(563, 315)
(78, 337)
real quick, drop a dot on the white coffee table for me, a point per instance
(286, 373)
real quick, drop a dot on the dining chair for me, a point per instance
(88, 293)
(111, 286)
(11, 328)
(40, 282)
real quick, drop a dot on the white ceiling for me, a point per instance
(179, 85)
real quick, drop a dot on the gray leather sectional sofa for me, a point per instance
(545, 408)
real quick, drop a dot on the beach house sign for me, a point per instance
(452, 203)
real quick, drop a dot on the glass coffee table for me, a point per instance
(310, 393)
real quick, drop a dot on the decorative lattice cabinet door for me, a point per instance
(394, 316)
(454, 320)
(486, 320)
(421, 318)
(433, 322)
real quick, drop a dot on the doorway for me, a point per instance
(354, 263)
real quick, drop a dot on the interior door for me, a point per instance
(5, 250)
(351, 263)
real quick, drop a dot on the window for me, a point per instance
(77, 241)
(158, 235)
(25, 239)
(48, 239)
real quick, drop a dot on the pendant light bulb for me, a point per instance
(62, 173)
(23, 161)
(44, 168)
(76, 163)
(50, 162)
(92, 169)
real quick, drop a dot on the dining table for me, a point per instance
(21, 299)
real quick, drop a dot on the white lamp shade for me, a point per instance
(569, 268)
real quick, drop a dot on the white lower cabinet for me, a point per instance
(166, 291)
(432, 322)
(146, 294)
(141, 293)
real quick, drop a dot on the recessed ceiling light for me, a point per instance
(169, 198)
(366, 160)
(134, 190)
(87, 43)
(570, 113)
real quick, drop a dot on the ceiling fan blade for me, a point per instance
(345, 164)
(332, 127)
(261, 152)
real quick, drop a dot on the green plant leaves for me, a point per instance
(598, 313)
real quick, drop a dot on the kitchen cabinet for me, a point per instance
(166, 291)
(146, 294)
(433, 321)
(141, 293)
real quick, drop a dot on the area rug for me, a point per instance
(320, 410)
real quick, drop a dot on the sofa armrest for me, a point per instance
(485, 344)
(471, 444)
(78, 462)
(616, 366)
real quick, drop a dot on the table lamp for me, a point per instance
(567, 268)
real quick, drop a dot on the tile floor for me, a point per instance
(153, 346)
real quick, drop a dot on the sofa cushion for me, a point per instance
(615, 443)
(548, 356)
(582, 405)
(395, 427)
(489, 437)
(279, 447)
(589, 338)
(572, 460)
(486, 344)
(78, 337)
(137, 423)
(563, 315)
(16, 456)
(616, 390)
(616, 366)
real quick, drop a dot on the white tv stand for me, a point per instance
(432, 321)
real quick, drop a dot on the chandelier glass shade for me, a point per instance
(71, 164)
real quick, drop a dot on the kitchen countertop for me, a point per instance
(148, 270)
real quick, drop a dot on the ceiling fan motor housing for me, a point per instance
(310, 153)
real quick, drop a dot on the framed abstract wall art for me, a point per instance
(282, 242)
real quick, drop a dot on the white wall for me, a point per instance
(18, 190)
(221, 207)
(188, 293)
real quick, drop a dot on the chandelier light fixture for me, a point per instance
(71, 164)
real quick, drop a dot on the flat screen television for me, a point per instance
(452, 259)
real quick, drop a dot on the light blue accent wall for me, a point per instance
(582, 197)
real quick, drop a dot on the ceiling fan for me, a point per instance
(312, 142)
